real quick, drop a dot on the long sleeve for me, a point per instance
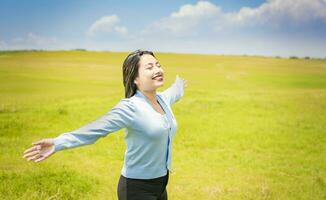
(175, 92)
(118, 117)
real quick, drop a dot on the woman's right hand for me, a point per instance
(41, 150)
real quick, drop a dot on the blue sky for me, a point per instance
(252, 27)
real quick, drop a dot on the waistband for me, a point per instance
(158, 179)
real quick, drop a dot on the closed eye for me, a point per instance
(159, 66)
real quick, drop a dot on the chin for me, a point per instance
(159, 85)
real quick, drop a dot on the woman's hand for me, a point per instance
(183, 80)
(41, 150)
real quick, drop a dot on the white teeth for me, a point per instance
(156, 77)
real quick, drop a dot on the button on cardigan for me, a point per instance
(148, 134)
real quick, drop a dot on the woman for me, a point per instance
(150, 127)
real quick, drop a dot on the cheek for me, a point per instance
(144, 77)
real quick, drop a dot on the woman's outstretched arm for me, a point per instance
(176, 91)
(118, 117)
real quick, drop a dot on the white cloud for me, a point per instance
(273, 13)
(32, 41)
(121, 30)
(107, 24)
(281, 12)
(202, 9)
(188, 17)
(203, 27)
(38, 40)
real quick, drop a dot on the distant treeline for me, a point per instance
(81, 49)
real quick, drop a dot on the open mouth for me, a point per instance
(159, 77)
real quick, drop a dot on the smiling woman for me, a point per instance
(150, 128)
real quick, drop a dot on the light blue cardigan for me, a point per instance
(148, 134)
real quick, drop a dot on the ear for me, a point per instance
(135, 81)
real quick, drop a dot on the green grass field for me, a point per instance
(248, 127)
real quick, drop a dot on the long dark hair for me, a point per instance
(130, 71)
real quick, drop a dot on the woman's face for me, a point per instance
(150, 74)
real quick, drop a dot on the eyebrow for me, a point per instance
(152, 63)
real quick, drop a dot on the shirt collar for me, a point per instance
(158, 96)
(140, 94)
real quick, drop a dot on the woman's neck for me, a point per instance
(151, 95)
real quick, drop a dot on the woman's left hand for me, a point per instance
(183, 80)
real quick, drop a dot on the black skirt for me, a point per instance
(143, 189)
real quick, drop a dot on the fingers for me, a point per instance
(43, 156)
(39, 151)
(34, 148)
(40, 159)
(184, 80)
(30, 154)
(35, 157)
(178, 77)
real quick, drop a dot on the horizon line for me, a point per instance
(156, 52)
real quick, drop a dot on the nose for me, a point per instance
(158, 70)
